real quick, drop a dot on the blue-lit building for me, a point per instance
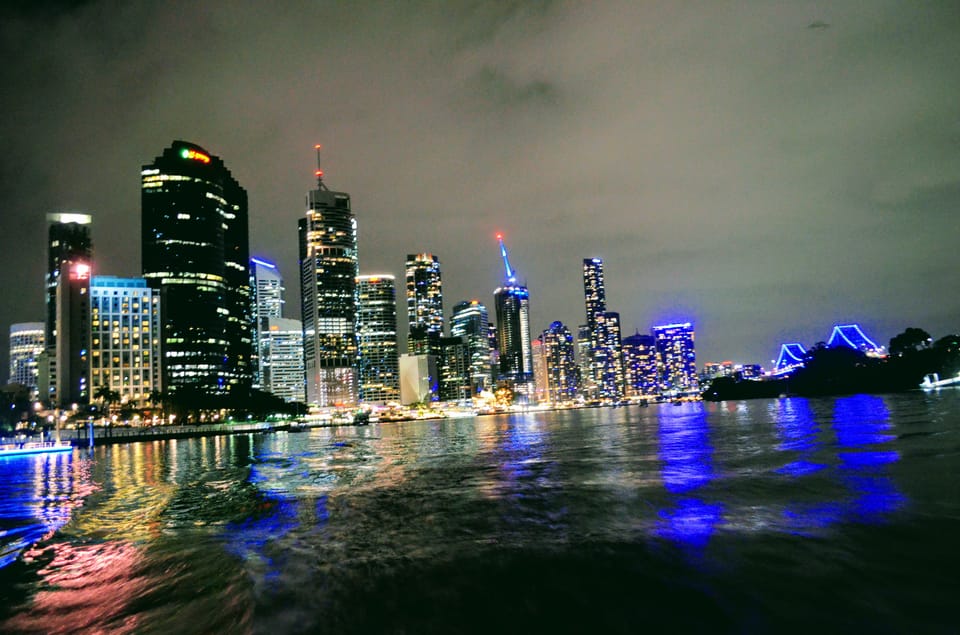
(676, 358)
(512, 302)
(640, 365)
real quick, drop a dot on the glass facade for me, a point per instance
(424, 304)
(379, 369)
(196, 254)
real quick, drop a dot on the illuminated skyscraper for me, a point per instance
(328, 291)
(640, 365)
(424, 304)
(282, 358)
(470, 320)
(454, 369)
(72, 350)
(125, 338)
(560, 364)
(68, 240)
(379, 369)
(268, 300)
(512, 302)
(676, 357)
(605, 351)
(26, 346)
(196, 254)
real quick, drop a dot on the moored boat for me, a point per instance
(34, 447)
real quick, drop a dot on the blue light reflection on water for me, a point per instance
(37, 495)
(687, 466)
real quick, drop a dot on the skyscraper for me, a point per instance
(605, 355)
(68, 240)
(470, 320)
(560, 365)
(268, 300)
(282, 358)
(26, 346)
(512, 302)
(196, 253)
(424, 304)
(676, 357)
(640, 365)
(379, 368)
(125, 338)
(72, 350)
(328, 291)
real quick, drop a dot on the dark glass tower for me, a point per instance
(196, 252)
(470, 320)
(328, 292)
(68, 242)
(512, 304)
(606, 364)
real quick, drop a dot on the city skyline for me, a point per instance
(732, 167)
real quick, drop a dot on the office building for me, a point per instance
(512, 302)
(72, 350)
(266, 284)
(454, 368)
(471, 321)
(68, 240)
(281, 359)
(588, 386)
(676, 358)
(125, 338)
(379, 365)
(424, 304)
(196, 255)
(26, 347)
(328, 292)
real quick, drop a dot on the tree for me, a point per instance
(910, 341)
(106, 397)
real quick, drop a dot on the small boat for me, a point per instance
(34, 447)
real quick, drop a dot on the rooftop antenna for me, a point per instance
(319, 172)
(511, 274)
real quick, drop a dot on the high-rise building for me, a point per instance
(676, 357)
(125, 338)
(605, 351)
(470, 320)
(196, 254)
(26, 346)
(379, 367)
(266, 284)
(512, 302)
(424, 304)
(72, 350)
(640, 365)
(540, 379)
(560, 364)
(68, 240)
(588, 386)
(328, 292)
(454, 368)
(282, 358)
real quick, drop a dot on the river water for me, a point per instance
(839, 514)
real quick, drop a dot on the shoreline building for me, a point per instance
(606, 358)
(676, 358)
(72, 350)
(328, 293)
(196, 255)
(512, 302)
(561, 382)
(471, 321)
(424, 304)
(640, 365)
(26, 348)
(68, 240)
(282, 358)
(125, 338)
(379, 367)
(266, 284)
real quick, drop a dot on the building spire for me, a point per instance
(511, 274)
(319, 172)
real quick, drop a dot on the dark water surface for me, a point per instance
(829, 515)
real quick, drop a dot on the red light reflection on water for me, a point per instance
(84, 589)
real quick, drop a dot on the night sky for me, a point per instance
(762, 169)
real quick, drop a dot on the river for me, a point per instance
(834, 514)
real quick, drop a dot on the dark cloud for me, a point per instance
(733, 166)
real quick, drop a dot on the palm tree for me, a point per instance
(106, 397)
